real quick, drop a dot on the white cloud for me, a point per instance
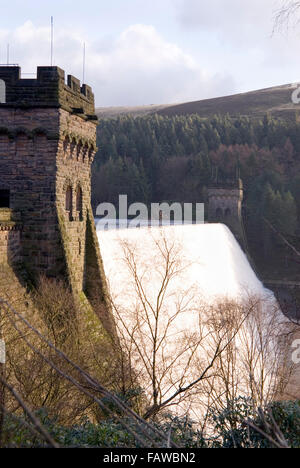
(234, 21)
(240, 38)
(137, 67)
(142, 68)
(217, 48)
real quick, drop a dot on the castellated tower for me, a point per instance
(225, 206)
(47, 145)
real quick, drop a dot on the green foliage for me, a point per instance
(137, 156)
(287, 416)
(184, 432)
(227, 429)
(85, 434)
(160, 158)
(231, 432)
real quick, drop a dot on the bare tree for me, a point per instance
(149, 333)
(257, 362)
(287, 14)
(73, 329)
(143, 432)
(186, 353)
(270, 429)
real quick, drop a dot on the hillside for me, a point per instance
(275, 101)
(136, 111)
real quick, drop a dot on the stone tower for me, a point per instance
(47, 145)
(225, 206)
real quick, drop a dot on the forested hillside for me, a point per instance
(275, 101)
(159, 158)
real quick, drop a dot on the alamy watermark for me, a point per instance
(296, 96)
(296, 353)
(2, 352)
(140, 215)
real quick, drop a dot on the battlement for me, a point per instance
(47, 145)
(226, 184)
(225, 205)
(9, 218)
(10, 237)
(49, 89)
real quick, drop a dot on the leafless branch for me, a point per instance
(92, 383)
(35, 421)
(271, 431)
(286, 15)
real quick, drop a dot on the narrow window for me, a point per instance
(219, 213)
(4, 198)
(79, 203)
(85, 152)
(228, 213)
(79, 149)
(66, 144)
(69, 202)
(72, 148)
(2, 92)
(91, 154)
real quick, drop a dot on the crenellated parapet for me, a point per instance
(48, 90)
(79, 150)
(225, 206)
(47, 146)
(10, 237)
(13, 133)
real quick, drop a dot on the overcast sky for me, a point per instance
(155, 51)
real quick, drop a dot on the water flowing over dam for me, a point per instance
(178, 293)
(213, 258)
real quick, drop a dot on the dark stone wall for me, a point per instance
(37, 168)
(47, 146)
(48, 90)
(28, 170)
(225, 206)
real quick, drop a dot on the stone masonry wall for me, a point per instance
(28, 170)
(37, 167)
(10, 237)
(48, 90)
(225, 206)
(10, 246)
(76, 149)
(225, 200)
(47, 145)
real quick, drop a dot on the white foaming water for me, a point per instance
(209, 268)
(216, 262)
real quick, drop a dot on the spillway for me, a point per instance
(193, 282)
(215, 262)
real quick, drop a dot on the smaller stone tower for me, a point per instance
(225, 206)
(10, 237)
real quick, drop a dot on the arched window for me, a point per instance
(219, 213)
(66, 145)
(91, 154)
(78, 151)
(4, 198)
(79, 203)
(2, 92)
(85, 152)
(228, 213)
(72, 148)
(69, 202)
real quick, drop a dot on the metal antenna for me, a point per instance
(7, 54)
(52, 35)
(83, 70)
